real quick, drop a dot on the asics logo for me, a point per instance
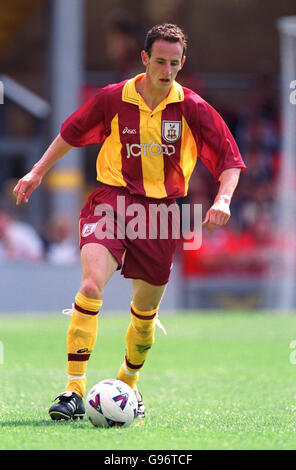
(153, 149)
(84, 350)
(126, 130)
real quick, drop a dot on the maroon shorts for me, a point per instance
(140, 232)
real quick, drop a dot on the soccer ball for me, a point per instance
(111, 403)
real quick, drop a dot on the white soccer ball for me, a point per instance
(111, 403)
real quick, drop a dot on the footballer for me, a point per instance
(153, 131)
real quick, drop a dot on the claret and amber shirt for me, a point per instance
(152, 153)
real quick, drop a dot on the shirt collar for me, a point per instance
(130, 94)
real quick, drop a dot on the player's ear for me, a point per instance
(182, 62)
(145, 58)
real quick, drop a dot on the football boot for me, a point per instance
(141, 406)
(69, 406)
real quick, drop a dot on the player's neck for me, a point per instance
(149, 93)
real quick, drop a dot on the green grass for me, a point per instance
(217, 381)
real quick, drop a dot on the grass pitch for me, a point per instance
(217, 381)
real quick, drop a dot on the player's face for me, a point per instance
(164, 63)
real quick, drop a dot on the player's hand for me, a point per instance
(217, 215)
(26, 186)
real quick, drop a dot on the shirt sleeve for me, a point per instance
(87, 125)
(217, 147)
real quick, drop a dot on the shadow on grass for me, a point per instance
(42, 422)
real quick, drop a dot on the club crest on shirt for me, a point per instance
(171, 130)
(88, 229)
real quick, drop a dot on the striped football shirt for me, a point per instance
(152, 152)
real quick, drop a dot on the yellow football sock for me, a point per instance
(139, 339)
(81, 339)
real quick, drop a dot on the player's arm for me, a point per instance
(26, 185)
(85, 126)
(219, 213)
(220, 154)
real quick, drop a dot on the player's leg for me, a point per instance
(140, 333)
(98, 265)
(146, 296)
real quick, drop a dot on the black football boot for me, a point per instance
(69, 406)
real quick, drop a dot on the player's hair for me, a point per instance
(167, 32)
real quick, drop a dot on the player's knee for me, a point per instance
(92, 288)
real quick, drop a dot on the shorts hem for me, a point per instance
(145, 280)
(99, 242)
